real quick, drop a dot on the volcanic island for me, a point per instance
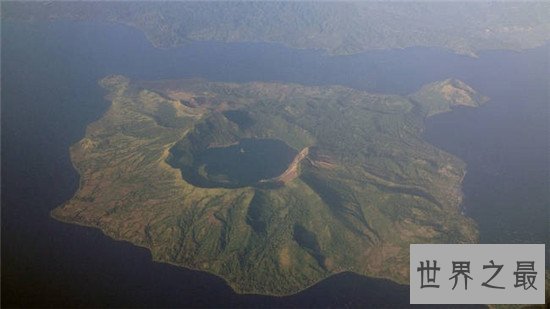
(271, 186)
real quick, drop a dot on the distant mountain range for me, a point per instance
(338, 27)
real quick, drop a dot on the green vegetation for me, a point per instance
(338, 27)
(440, 97)
(361, 188)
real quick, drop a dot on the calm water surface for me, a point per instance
(243, 164)
(50, 94)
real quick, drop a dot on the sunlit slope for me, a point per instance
(441, 97)
(362, 186)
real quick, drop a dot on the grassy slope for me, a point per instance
(367, 188)
(340, 28)
(442, 96)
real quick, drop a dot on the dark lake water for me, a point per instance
(243, 164)
(50, 94)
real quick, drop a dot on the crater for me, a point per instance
(243, 164)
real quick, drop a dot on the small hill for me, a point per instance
(440, 97)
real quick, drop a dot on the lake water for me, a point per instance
(50, 94)
(243, 164)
